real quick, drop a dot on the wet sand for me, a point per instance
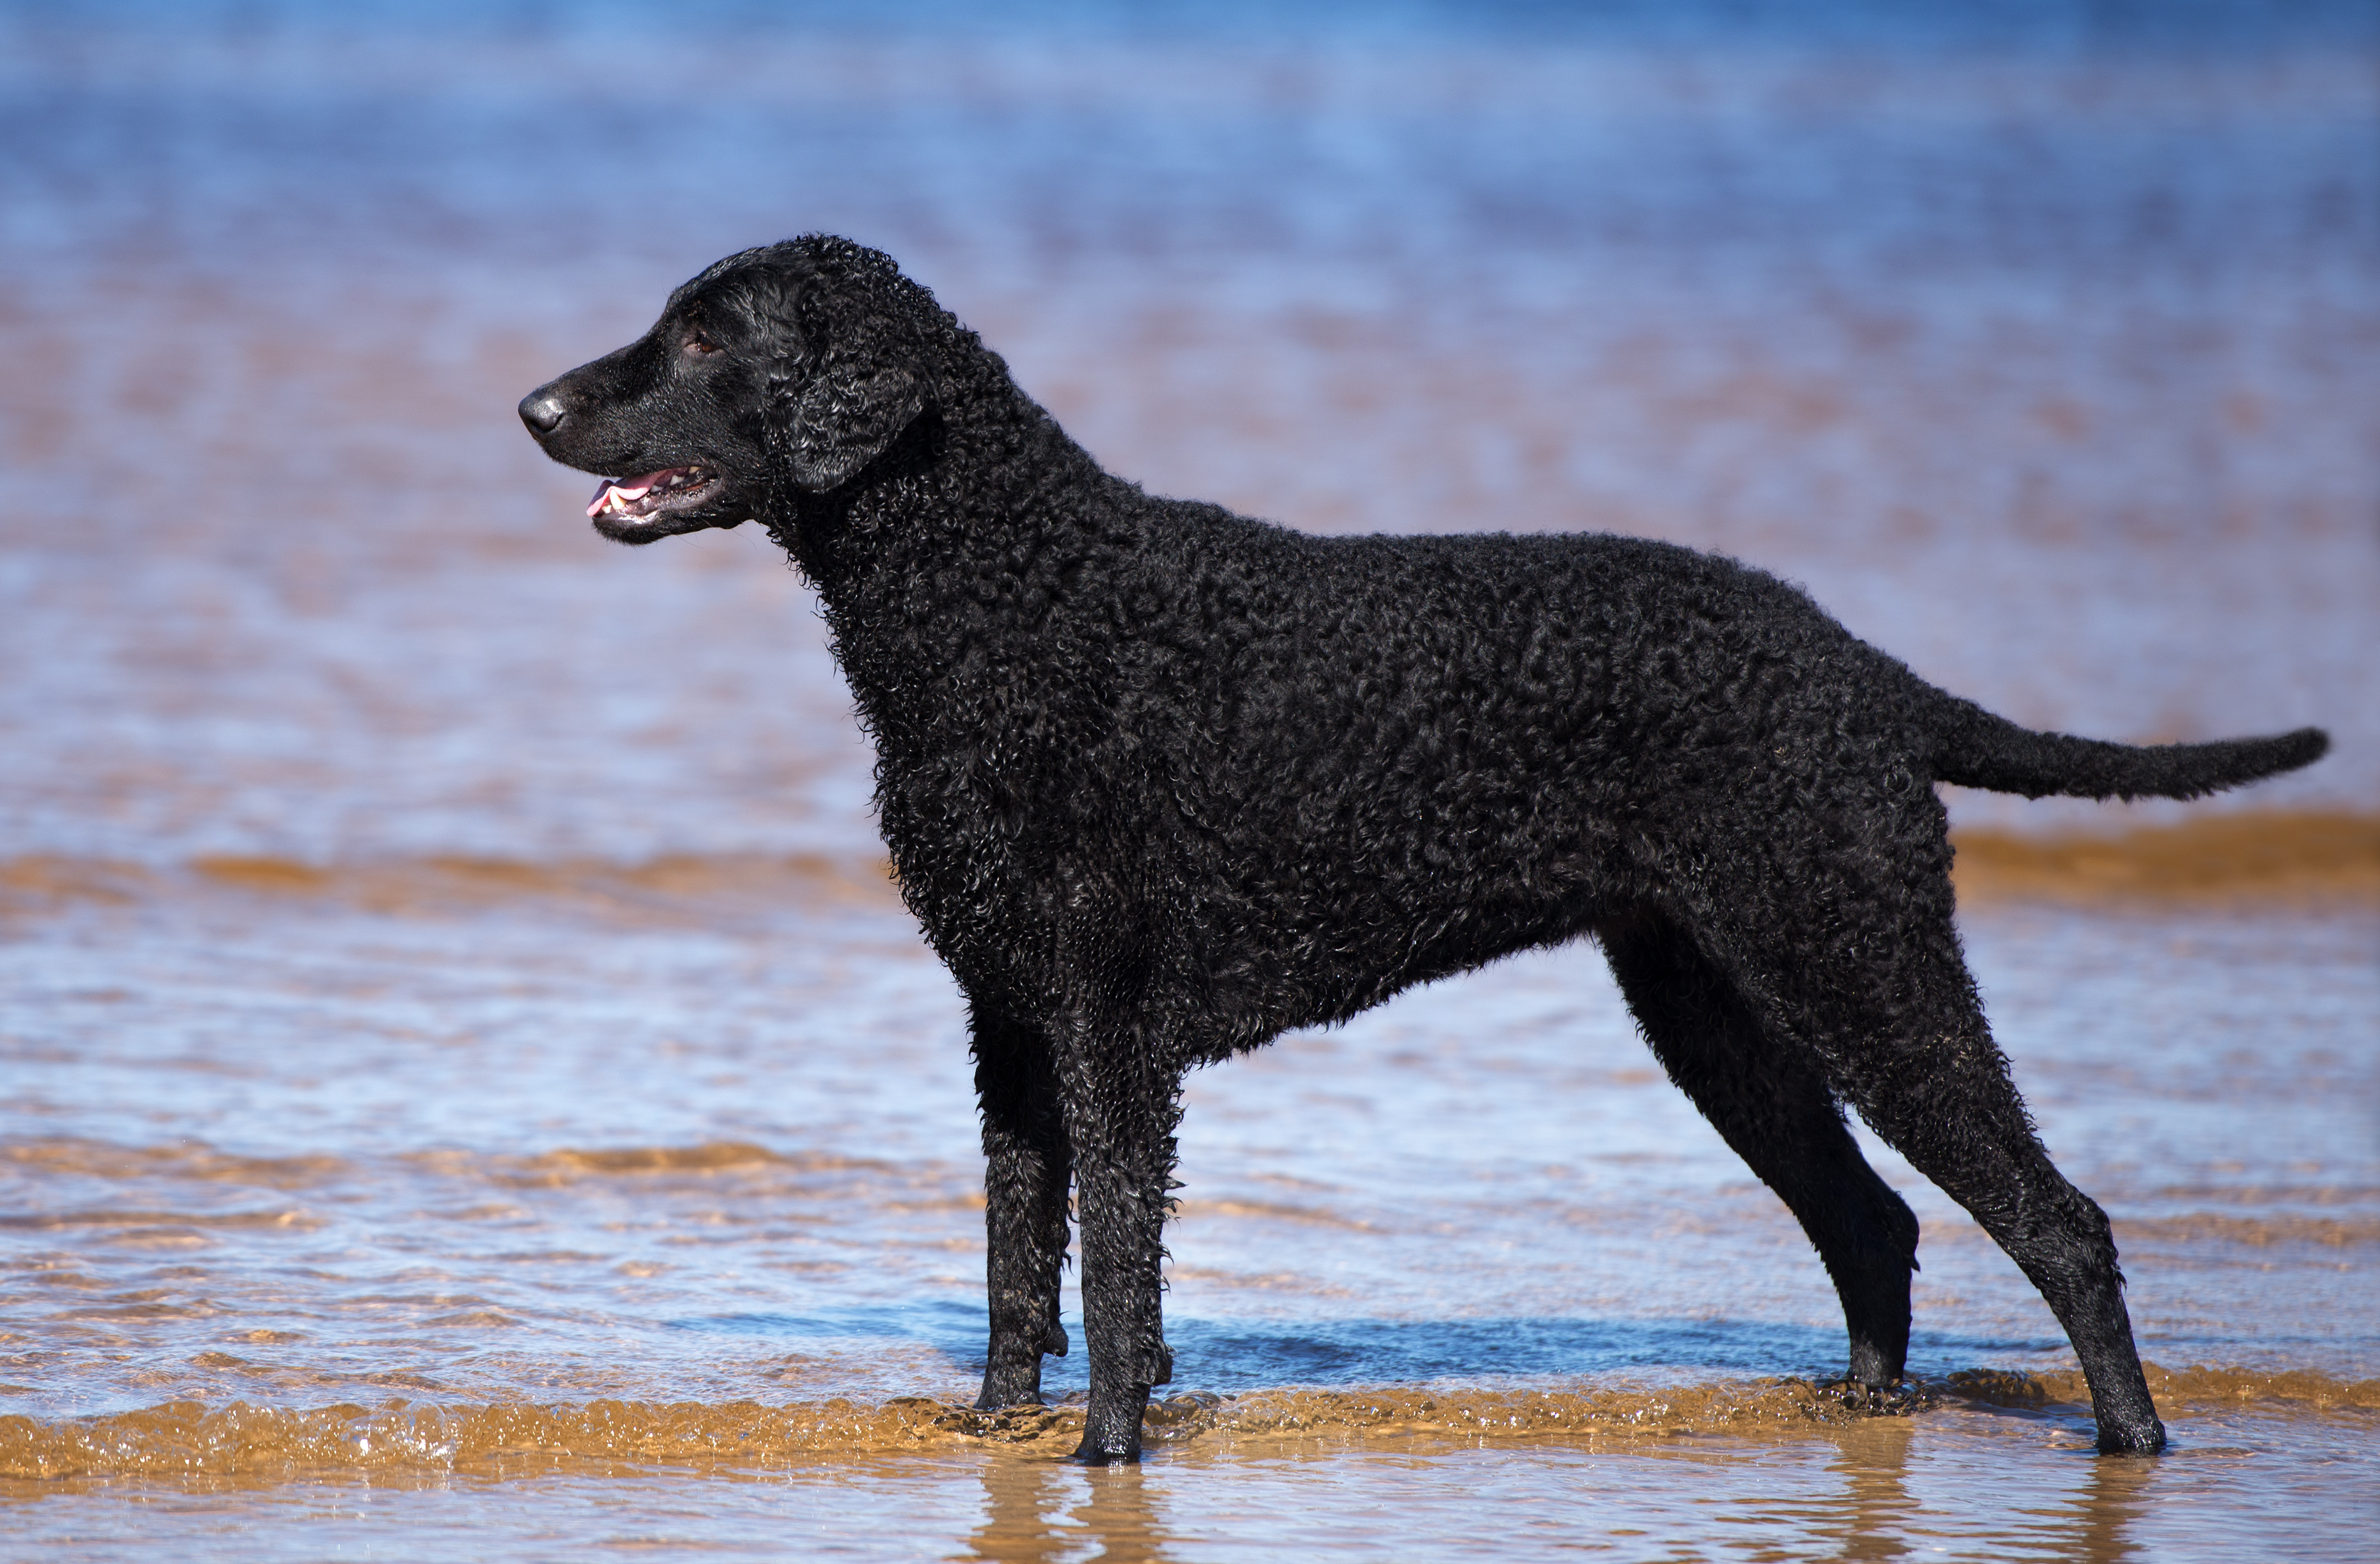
(2250, 859)
(2253, 861)
(469, 1089)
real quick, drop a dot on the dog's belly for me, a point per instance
(1311, 940)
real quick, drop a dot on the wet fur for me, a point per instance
(1161, 782)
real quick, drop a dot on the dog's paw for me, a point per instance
(1897, 1399)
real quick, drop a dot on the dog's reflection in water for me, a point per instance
(1875, 1516)
(1040, 1512)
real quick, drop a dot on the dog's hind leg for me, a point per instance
(1771, 1104)
(1949, 1107)
(1886, 1003)
(1026, 1166)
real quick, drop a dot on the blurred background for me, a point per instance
(2040, 341)
(445, 956)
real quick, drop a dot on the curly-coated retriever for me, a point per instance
(1161, 782)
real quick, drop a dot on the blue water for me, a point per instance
(2040, 341)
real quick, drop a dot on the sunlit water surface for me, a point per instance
(469, 1092)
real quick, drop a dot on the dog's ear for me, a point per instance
(847, 416)
(855, 390)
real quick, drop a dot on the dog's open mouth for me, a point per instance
(653, 494)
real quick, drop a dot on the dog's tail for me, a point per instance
(1975, 749)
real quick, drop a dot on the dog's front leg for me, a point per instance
(1026, 1162)
(1121, 1110)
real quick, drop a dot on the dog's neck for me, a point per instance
(979, 474)
(954, 539)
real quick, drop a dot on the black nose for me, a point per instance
(542, 411)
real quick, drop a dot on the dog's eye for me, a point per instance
(699, 342)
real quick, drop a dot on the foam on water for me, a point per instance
(192, 1441)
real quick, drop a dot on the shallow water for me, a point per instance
(271, 1146)
(370, 1198)
(469, 1089)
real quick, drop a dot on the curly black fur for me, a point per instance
(1161, 782)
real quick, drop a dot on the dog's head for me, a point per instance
(793, 365)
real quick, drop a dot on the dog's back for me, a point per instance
(1367, 762)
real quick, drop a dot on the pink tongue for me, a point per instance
(630, 488)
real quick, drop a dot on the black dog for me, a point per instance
(1161, 782)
